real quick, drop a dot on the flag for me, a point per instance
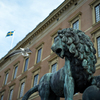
(10, 33)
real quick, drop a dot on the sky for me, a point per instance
(22, 16)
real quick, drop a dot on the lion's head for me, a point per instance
(79, 49)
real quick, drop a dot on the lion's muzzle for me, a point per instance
(58, 49)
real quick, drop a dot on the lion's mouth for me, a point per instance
(59, 50)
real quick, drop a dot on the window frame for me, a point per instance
(98, 55)
(34, 73)
(93, 4)
(22, 90)
(75, 22)
(14, 71)
(6, 78)
(34, 79)
(51, 62)
(23, 71)
(23, 80)
(95, 34)
(25, 64)
(38, 59)
(95, 13)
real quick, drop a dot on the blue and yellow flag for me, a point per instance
(10, 33)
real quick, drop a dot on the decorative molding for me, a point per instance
(54, 57)
(55, 32)
(12, 84)
(92, 3)
(22, 78)
(7, 70)
(95, 30)
(16, 63)
(78, 14)
(40, 45)
(35, 69)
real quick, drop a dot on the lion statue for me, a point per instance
(77, 74)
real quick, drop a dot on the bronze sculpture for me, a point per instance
(76, 75)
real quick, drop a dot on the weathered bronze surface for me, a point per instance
(76, 75)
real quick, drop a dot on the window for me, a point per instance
(75, 21)
(11, 93)
(35, 80)
(15, 72)
(2, 97)
(97, 13)
(54, 67)
(22, 89)
(98, 46)
(39, 55)
(6, 78)
(26, 64)
(76, 25)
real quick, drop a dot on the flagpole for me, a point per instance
(12, 40)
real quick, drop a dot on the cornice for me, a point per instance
(41, 26)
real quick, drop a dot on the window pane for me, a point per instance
(26, 64)
(15, 73)
(2, 97)
(54, 67)
(97, 12)
(22, 89)
(39, 55)
(35, 80)
(11, 93)
(6, 78)
(76, 25)
(98, 45)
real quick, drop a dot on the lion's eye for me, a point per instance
(61, 36)
(56, 38)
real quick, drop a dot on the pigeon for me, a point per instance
(23, 51)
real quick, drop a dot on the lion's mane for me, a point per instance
(82, 55)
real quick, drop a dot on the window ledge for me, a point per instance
(37, 63)
(96, 23)
(25, 72)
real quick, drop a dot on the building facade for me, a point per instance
(18, 74)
